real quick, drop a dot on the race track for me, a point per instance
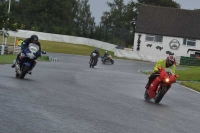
(69, 97)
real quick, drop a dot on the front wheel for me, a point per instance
(17, 75)
(25, 69)
(91, 63)
(112, 61)
(160, 94)
(146, 96)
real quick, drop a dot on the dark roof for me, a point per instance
(168, 21)
(193, 50)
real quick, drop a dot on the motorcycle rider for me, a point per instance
(97, 56)
(105, 56)
(169, 62)
(25, 44)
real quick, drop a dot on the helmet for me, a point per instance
(34, 38)
(96, 50)
(170, 60)
(106, 52)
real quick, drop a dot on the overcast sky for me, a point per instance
(97, 7)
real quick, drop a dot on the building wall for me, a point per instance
(165, 45)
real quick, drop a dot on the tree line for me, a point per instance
(73, 17)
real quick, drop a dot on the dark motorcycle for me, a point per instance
(160, 85)
(93, 60)
(27, 58)
(107, 59)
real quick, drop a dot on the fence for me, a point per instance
(189, 61)
(7, 45)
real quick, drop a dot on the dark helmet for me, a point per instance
(96, 50)
(34, 38)
(170, 60)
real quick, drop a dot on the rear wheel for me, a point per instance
(112, 61)
(91, 63)
(24, 71)
(146, 96)
(160, 94)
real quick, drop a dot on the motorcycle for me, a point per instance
(107, 59)
(160, 85)
(27, 58)
(93, 60)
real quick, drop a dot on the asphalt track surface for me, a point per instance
(70, 97)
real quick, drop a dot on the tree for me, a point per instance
(85, 21)
(7, 21)
(69, 17)
(115, 15)
(117, 23)
(165, 3)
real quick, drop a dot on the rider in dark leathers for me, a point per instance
(25, 44)
(105, 56)
(96, 57)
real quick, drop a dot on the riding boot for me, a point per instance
(13, 65)
(32, 66)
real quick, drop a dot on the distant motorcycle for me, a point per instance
(93, 60)
(160, 85)
(107, 59)
(28, 57)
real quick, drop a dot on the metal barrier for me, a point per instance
(53, 59)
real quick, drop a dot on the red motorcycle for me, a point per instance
(160, 85)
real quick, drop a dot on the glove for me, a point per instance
(37, 54)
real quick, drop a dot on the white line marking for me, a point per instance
(188, 88)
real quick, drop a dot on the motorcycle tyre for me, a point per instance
(24, 71)
(146, 96)
(160, 94)
(112, 61)
(17, 75)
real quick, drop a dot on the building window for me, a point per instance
(189, 42)
(154, 38)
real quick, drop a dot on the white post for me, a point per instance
(9, 7)
(2, 49)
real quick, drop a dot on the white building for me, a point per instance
(164, 30)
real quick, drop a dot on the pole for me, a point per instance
(9, 7)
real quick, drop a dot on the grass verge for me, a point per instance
(192, 85)
(8, 59)
(67, 48)
(76, 49)
(191, 74)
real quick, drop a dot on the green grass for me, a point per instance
(192, 85)
(9, 40)
(191, 74)
(67, 48)
(8, 59)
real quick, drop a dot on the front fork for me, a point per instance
(162, 84)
